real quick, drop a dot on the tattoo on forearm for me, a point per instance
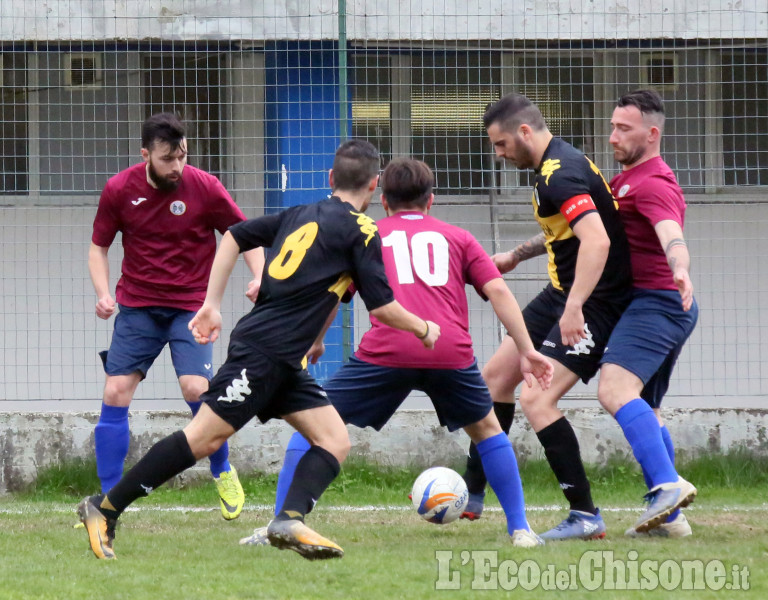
(673, 243)
(672, 263)
(672, 260)
(533, 247)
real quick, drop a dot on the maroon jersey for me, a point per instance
(169, 238)
(428, 264)
(648, 193)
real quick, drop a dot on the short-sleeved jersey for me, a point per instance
(649, 193)
(314, 252)
(169, 238)
(428, 264)
(568, 186)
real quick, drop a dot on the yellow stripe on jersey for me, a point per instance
(342, 285)
(556, 229)
(605, 183)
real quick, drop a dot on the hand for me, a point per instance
(253, 290)
(684, 285)
(206, 325)
(505, 261)
(572, 325)
(534, 364)
(105, 307)
(315, 352)
(431, 337)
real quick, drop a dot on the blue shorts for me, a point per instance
(649, 337)
(367, 395)
(141, 334)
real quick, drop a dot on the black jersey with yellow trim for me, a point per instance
(567, 186)
(313, 253)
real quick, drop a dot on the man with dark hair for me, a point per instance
(168, 213)
(644, 346)
(428, 264)
(571, 319)
(314, 252)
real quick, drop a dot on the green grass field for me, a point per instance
(165, 551)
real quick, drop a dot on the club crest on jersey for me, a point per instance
(367, 225)
(623, 190)
(178, 208)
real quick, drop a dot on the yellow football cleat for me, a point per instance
(231, 495)
(294, 535)
(101, 530)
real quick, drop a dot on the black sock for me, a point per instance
(562, 451)
(314, 473)
(475, 475)
(169, 457)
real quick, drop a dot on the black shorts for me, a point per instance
(542, 319)
(250, 384)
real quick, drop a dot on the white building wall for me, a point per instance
(380, 19)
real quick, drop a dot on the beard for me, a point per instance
(163, 183)
(628, 157)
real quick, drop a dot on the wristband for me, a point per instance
(426, 332)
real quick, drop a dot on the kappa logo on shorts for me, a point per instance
(238, 390)
(584, 345)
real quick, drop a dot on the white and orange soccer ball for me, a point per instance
(439, 495)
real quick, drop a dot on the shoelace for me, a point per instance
(650, 497)
(569, 521)
(228, 483)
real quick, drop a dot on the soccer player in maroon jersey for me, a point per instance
(168, 213)
(429, 263)
(314, 252)
(646, 342)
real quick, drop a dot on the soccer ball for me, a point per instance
(439, 495)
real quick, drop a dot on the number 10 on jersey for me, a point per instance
(417, 257)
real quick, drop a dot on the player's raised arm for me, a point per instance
(394, 315)
(594, 245)
(255, 260)
(206, 324)
(507, 261)
(98, 266)
(676, 250)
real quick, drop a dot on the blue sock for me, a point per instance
(111, 437)
(641, 428)
(220, 458)
(297, 447)
(500, 466)
(671, 453)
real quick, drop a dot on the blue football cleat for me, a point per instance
(578, 526)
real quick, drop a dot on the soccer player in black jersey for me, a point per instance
(313, 254)
(571, 319)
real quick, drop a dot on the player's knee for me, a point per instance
(205, 446)
(193, 390)
(611, 392)
(117, 393)
(338, 445)
(500, 385)
(529, 403)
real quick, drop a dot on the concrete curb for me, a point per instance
(31, 441)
